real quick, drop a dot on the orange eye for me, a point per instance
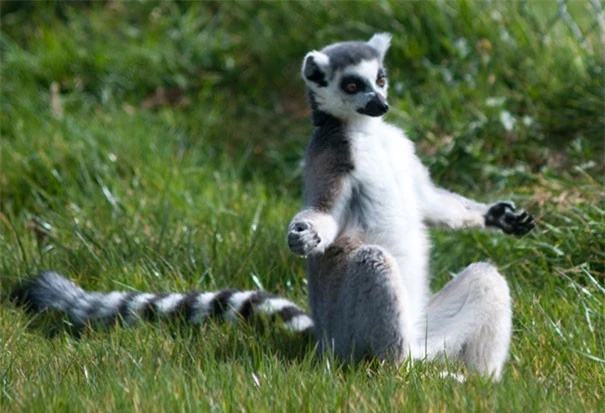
(381, 82)
(351, 87)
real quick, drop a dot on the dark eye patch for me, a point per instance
(360, 84)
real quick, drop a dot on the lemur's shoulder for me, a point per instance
(329, 148)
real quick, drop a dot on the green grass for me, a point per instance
(120, 191)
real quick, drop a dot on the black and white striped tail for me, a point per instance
(50, 290)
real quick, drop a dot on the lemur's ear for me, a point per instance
(381, 42)
(316, 68)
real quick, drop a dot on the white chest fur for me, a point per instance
(385, 204)
(383, 181)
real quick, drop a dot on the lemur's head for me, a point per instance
(347, 80)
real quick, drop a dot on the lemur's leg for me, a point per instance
(364, 308)
(376, 299)
(470, 318)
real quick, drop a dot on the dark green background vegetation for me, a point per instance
(157, 146)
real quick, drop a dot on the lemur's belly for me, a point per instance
(385, 210)
(402, 234)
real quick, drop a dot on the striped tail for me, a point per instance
(50, 290)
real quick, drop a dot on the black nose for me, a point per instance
(378, 106)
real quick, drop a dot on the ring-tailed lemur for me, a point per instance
(367, 199)
(50, 290)
(367, 202)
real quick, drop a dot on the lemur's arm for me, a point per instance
(444, 208)
(327, 192)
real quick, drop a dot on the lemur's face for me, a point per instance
(347, 80)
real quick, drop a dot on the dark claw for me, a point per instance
(509, 205)
(302, 239)
(501, 215)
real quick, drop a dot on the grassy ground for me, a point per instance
(156, 146)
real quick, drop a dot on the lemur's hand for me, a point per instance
(302, 238)
(502, 215)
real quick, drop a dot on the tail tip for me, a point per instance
(20, 295)
(26, 294)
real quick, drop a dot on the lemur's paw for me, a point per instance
(302, 238)
(502, 215)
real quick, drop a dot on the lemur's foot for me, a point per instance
(502, 215)
(302, 238)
